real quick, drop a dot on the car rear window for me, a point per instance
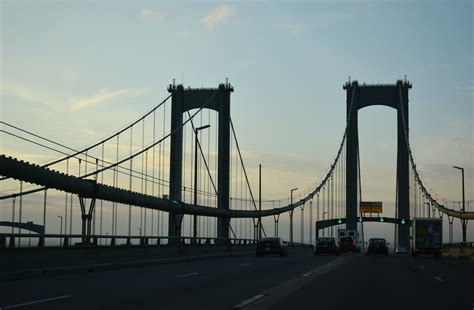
(270, 241)
(377, 241)
(346, 240)
(326, 241)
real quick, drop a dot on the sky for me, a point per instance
(76, 71)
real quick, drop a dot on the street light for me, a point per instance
(196, 130)
(60, 230)
(291, 214)
(463, 222)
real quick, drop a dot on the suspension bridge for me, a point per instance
(175, 178)
(179, 174)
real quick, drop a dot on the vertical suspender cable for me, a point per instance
(44, 211)
(208, 181)
(65, 202)
(153, 171)
(94, 212)
(317, 211)
(130, 185)
(146, 190)
(141, 184)
(101, 202)
(116, 184)
(20, 212)
(13, 213)
(311, 221)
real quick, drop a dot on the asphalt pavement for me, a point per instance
(299, 281)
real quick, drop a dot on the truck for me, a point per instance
(347, 233)
(354, 234)
(427, 237)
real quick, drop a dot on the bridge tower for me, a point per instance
(183, 100)
(361, 96)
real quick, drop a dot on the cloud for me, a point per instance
(105, 95)
(32, 93)
(217, 16)
(151, 15)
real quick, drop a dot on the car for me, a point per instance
(271, 245)
(401, 249)
(377, 246)
(348, 244)
(326, 245)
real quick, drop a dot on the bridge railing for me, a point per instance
(54, 240)
(459, 245)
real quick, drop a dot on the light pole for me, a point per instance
(324, 213)
(60, 230)
(260, 201)
(463, 222)
(196, 130)
(291, 214)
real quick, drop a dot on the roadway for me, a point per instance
(300, 281)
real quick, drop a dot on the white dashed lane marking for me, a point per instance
(247, 302)
(36, 302)
(187, 275)
(439, 279)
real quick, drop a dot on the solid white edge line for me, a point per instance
(187, 275)
(247, 302)
(36, 302)
(439, 279)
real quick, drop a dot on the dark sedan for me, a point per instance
(271, 245)
(326, 245)
(377, 246)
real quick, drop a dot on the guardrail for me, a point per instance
(459, 245)
(8, 240)
(55, 240)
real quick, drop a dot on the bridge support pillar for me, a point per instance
(183, 100)
(394, 96)
(86, 220)
(3, 242)
(352, 155)
(403, 169)
(277, 219)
